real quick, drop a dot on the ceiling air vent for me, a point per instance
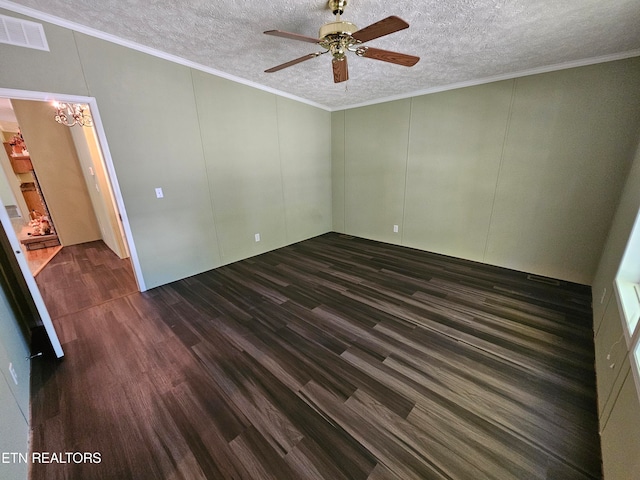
(22, 33)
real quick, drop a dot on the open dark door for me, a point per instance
(23, 294)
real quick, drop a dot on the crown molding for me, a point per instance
(76, 27)
(496, 78)
(61, 22)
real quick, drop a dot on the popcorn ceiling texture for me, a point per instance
(457, 40)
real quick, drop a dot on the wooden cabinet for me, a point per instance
(19, 163)
(33, 198)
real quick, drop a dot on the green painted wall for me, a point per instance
(621, 436)
(523, 174)
(375, 153)
(268, 165)
(232, 160)
(240, 142)
(14, 399)
(454, 158)
(617, 392)
(569, 144)
(618, 236)
(337, 170)
(156, 146)
(15, 431)
(59, 70)
(304, 135)
(14, 349)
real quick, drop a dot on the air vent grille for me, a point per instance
(13, 211)
(22, 33)
(548, 281)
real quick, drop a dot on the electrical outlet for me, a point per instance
(257, 237)
(13, 373)
(395, 229)
(159, 193)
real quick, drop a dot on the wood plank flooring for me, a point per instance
(334, 358)
(38, 259)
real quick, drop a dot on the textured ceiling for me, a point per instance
(459, 41)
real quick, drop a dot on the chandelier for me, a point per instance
(70, 114)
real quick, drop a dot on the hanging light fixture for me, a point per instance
(70, 114)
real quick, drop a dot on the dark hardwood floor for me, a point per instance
(334, 358)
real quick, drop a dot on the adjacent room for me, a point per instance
(404, 250)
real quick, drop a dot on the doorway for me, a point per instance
(96, 166)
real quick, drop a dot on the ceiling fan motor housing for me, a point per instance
(336, 37)
(337, 28)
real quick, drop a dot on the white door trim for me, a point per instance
(111, 173)
(31, 282)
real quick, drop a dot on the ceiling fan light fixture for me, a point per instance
(361, 50)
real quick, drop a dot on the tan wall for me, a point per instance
(93, 170)
(55, 162)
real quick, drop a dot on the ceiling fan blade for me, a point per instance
(293, 62)
(292, 36)
(379, 29)
(388, 56)
(340, 70)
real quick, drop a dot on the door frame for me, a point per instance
(108, 161)
(115, 188)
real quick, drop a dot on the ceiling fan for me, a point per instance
(340, 37)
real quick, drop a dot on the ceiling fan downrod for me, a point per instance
(337, 6)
